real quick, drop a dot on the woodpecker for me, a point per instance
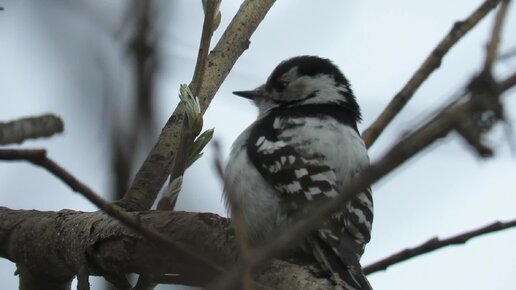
(303, 147)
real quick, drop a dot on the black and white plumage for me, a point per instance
(303, 147)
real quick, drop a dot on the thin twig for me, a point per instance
(204, 46)
(20, 130)
(435, 244)
(189, 133)
(432, 62)
(492, 47)
(508, 82)
(157, 167)
(39, 157)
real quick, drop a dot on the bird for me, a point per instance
(303, 147)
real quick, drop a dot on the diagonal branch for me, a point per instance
(483, 97)
(435, 244)
(204, 46)
(432, 62)
(39, 157)
(492, 47)
(191, 128)
(438, 127)
(158, 165)
(508, 83)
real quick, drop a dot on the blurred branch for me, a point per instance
(217, 159)
(433, 61)
(137, 125)
(492, 47)
(462, 116)
(143, 47)
(30, 128)
(438, 127)
(435, 244)
(38, 157)
(158, 165)
(507, 55)
(508, 82)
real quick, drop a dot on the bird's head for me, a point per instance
(303, 80)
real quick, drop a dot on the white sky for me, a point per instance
(65, 58)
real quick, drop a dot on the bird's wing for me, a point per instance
(301, 178)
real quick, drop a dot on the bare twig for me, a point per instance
(432, 62)
(508, 82)
(158, 165)
(30, 128)
(492, 47)
(189, 130)
(204, 46)
(435, 244)
(39, 157)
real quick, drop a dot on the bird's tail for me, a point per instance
(345, 269)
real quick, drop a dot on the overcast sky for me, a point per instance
(66, 57)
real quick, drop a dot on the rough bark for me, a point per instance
(50, 248)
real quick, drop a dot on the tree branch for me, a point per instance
(432, 62)
(204, 45)
(191, 129)
(435, 244)
(38, 157)
(480, 84)
(156, 168)
(50, 247)
(56, 245)
(30, 128)
(508, 83)
(492, 47)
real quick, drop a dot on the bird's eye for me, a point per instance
(282, 85)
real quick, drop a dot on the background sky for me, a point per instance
(69, 58)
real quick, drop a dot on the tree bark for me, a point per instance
(50, 248)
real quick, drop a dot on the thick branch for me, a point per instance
(38, 157)
(156, 168)
(435, 244)
(432, 62)
(51, 247)
(57, 244)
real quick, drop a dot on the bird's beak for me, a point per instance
(251, 95)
